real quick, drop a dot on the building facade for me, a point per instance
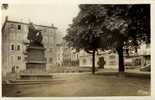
(69, 55)
(66, 59)
(14, 36)
(140, 58)
(110, 58)
(59, 55)
(144, 52)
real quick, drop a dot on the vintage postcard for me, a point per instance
(76, 49)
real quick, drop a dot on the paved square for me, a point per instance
(83, 84)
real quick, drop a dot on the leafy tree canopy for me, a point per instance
(109, 26)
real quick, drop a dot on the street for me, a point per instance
(82, 84)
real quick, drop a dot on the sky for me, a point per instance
(59, 14)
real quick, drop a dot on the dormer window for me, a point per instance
(19, 27)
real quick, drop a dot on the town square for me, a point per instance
(78, 50)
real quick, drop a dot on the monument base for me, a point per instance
(35, 64)
(29, 76)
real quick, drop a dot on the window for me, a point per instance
(19, 57)
(18, 47)
(19, 27)
(17, 67)
(84, 61)
(11, 60)
(12, 47)
(50, 59)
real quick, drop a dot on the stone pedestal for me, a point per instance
(35, 64)
(36, 61)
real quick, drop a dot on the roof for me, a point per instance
(12, 21)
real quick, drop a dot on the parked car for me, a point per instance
(146, 68)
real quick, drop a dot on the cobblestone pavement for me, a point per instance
(80, 84)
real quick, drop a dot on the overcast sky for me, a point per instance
(46, 14)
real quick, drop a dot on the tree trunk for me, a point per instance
(93, 62)
(121, 59)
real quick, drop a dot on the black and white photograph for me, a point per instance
(76, 50)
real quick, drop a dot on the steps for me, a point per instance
(29, 82)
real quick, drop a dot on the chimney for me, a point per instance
(52, 25)
(6, 18)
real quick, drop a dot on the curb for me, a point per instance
(139, 75)
(127, 74)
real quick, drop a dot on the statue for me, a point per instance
(34, 36)
(36, 60)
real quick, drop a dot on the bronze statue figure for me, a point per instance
(34, 36)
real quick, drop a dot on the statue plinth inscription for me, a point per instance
(36, 61)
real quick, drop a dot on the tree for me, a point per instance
(109, 27)
(130, 24)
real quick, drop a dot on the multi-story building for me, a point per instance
(139, 58)
(14, 35)
(70, 57)
(74, 58)
(66, 55)
(59, 55)
(66, 59)
(110, 58)
(133, 59)
(144, 53)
